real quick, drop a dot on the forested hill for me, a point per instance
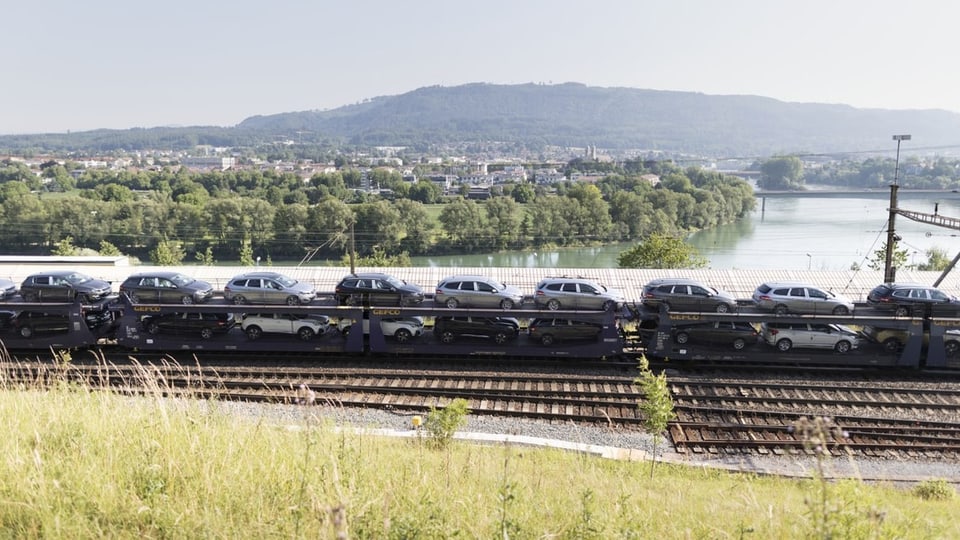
(535, 116)
(577, 115)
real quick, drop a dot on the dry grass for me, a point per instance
(77, 463)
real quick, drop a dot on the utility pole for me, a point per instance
(889, 271)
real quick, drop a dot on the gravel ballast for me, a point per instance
(608, 442)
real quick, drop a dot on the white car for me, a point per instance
(402, 329)
(785, 336)
(303, 326)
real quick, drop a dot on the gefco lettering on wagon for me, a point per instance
(385, 312)
(689, 317)
(150, 309)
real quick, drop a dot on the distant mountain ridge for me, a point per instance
(564, 115)
(573, 114)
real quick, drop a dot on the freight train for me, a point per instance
(323, 328)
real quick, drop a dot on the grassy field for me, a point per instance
(82, 464)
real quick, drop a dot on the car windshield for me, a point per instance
(286, 281)
(77, 278)
(181, 280)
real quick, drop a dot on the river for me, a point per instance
(828, 232)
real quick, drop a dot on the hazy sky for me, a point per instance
(73, 65)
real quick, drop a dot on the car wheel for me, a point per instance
(739, 344)
(546, 339)
(891, 345)
(30, 297)
(239, 300)
(26, 331)
(254, 332)
(153, 328)
(186, 300)
(902, 311)
(780, 309)
(452, 303)
(506, 304)
(306, 333)
(553, 304)
(609, 305)
(350, 300)
(784, 345)
(723, 308)
(500, 338)
(206, 333)
(402, 335)
(682, 337)
(842, 347)
(841, 310)
(293, 301)
(447, 337)
(346, 331)
(951, 347)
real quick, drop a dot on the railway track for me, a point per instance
(713, 416)
(605, 399)
(873, 419)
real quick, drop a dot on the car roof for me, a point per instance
(789, 284)
(664, 281)
(367, 275)
(57, 272)
(258, 274)
(159, 273)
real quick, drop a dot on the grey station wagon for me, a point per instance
(268, 288)
(476, 291)
(63, 286)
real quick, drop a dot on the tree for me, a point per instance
(656, 405)
(109, 250)
(936, 260)
(879, 259)
(167, 253)
(64, 247)
(503, 220)
(661, 251)
(781, 173)
(462, 222)
(523, 193)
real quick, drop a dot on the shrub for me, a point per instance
(442, 423)
(934, 490)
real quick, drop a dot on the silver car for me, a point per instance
(476, 291)
(576, 293)
(268, 288)
(790, 297)
(785, 336)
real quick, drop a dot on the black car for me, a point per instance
(550, 331)
(737, 334)
(63, 286)
(165, 288)
(376, 289)
(203, 324)
(498, 329)
(906, 299)
(30, 323)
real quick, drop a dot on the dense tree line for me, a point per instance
(235, 215)
(789, 172)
